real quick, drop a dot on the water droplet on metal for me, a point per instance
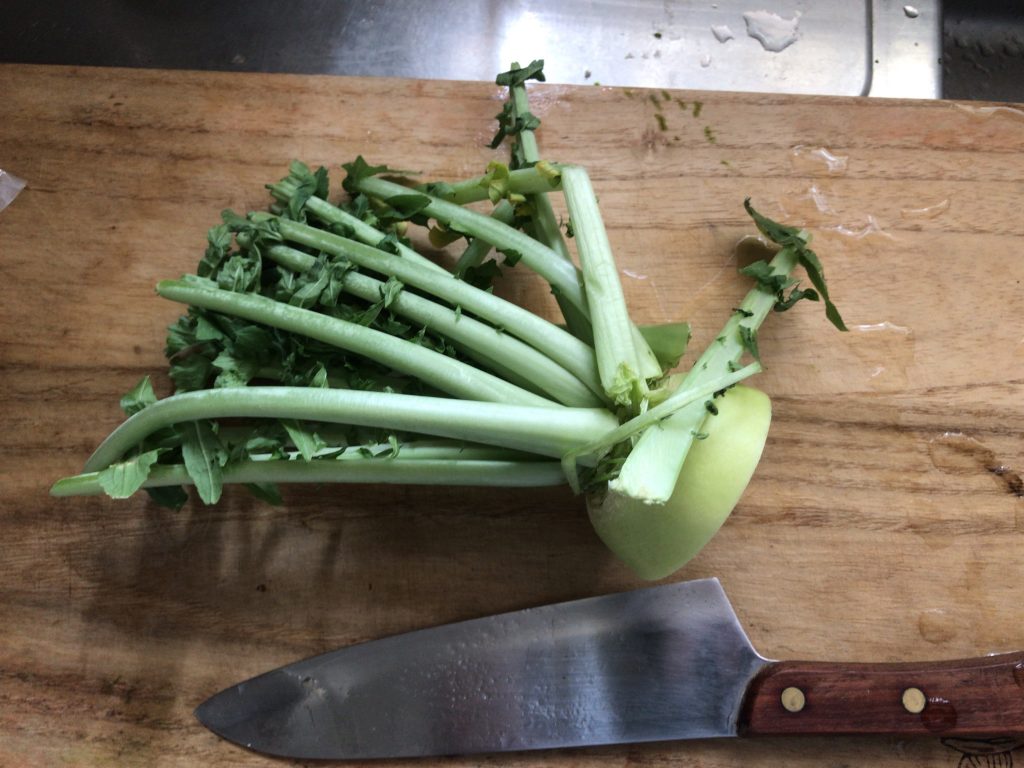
(772, 31)
(911, 12)
(722, 32)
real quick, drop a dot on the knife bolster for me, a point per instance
(967, 697)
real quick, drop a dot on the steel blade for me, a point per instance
(665, 662)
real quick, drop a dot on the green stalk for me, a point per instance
(559, 273)
(521, 181)
(491, 473)
(545, 431)
(562, 347)
(544, 226)
(331, 214)
(617, 354)
(652, 467)
(511, 358)
(440, 371)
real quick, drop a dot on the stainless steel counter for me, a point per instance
(871, 47)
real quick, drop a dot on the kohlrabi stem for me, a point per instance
(652, 467)
(440, 371)
(493, 473)
(546, 431)
(506, 355)
(558, 344)
(543, 224)
(557, 271)
(617, 357)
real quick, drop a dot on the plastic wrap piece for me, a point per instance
(10, 186)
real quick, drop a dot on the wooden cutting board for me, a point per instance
(885, 522)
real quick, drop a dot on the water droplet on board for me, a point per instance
(886, 350)
(772, 31)
(861, 230)
(987, 112)
(926, 212)
(957, 454)
(817, 159)
(722, 33)
(936, 626)
(635, 275)
(911, 12)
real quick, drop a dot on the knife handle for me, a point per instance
(967, 697)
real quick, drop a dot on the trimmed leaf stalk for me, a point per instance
(440, 371)
(556, 343)
(617, 355)
(331, 214)
(537, 256)
(546, 431)
(456, 471)
(511, 358)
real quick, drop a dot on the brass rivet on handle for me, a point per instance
(914, 700)
(793, 699)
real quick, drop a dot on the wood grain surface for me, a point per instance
(885, 523)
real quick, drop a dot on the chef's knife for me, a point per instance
(661, 663)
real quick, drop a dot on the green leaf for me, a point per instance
(668, 342)
(267, 492)
(204, 456)
(812, 265)
(359, 169)
(121, 480)
(762, 272)
(240, 273)
(234, 371)
(390, 290)
(190, 372)
(519, 75)
(794, 296)
(172, 496)
(252, 341)
(320, 378)
(306, 441)
(218, 243)
(748, 337)
(138, 397)
(798, 239)
(408, 205)
(181, 334)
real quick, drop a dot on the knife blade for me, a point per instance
(661, 663)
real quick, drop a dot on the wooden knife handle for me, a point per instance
(968, 697)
